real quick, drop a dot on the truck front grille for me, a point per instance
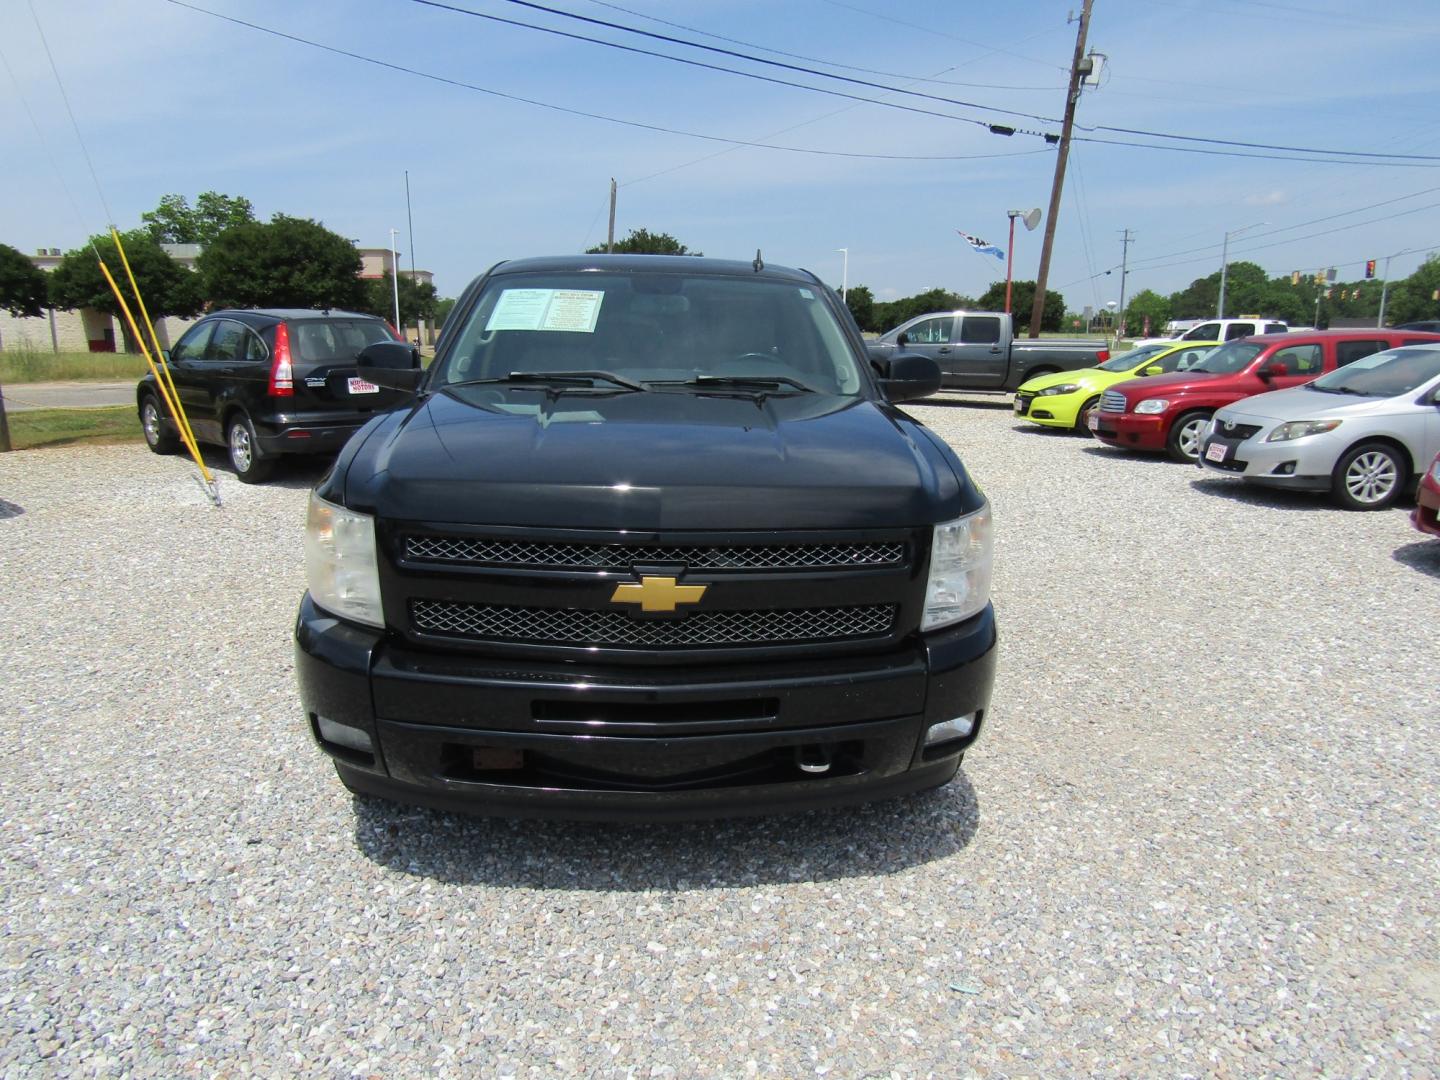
(615, 629)
(1112, 401)
(492, 551)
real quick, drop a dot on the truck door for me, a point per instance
(931, 337)
(980, 356)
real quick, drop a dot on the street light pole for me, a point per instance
(1225, 261)
(1010, 257)
(1384, 291)
(844, 273)
(395, 279)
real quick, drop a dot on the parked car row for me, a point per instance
(1352, 413)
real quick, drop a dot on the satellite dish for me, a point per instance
(1031, 218)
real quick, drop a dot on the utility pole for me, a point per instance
(1125, 240)
(610, 236)
(1072, 96)
(1384, 291)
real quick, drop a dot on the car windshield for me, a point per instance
(1383, 374)
(1228, 359)
(698, 330)
(319, 341)
(1129, 361)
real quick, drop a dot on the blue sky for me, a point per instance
(171, 100)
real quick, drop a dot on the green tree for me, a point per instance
(644, 242)
(1022, 303)
(417, 298)
(1146, 304)
(1414, 297)
(174, 221)
(23, 288)
(443, 307)
(892, 313)
(166, 287)
(289, 262)
(861, 303)
(1247, 291)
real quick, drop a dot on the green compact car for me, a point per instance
(1065, 399)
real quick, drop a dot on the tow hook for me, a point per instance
(813, 759)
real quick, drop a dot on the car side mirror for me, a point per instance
(1153, 369)
(907, 376)
(902, 340)
(1270, 371)
(392, 364)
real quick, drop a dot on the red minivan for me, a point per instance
(1171, 412)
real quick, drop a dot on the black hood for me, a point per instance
(663, 460)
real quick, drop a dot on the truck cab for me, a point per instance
(977, 350)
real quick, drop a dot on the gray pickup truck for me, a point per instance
(977, 350)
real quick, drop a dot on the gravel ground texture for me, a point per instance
(1199, 838)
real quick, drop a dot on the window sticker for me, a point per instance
(573, 310)
(807, 294)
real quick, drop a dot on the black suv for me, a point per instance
(267, 382)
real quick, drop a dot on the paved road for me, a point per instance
(20, 397)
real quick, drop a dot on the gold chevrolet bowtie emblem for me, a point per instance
(657, 594)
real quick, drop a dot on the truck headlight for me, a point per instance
(1066, 388)
(340, 565)
(962, 553)
(1153, 405)
(1298, 429)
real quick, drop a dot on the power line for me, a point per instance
(456, 9)
(531, 4)
(816, 60)
(389, 65)
(942, 33)
(1265, 157)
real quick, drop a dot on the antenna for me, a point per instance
(759, 263)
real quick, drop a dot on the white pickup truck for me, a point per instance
(1221, 330)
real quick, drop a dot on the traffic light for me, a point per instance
(1369, 268)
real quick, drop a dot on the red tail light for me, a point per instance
(393, 332)
(282, 373)
(1102, 355)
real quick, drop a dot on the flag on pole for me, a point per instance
(981, 246)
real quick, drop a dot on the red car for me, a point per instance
(1171, 412)
(1426, 514)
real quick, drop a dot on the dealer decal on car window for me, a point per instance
(574, 310)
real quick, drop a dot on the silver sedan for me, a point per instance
(1361, 432)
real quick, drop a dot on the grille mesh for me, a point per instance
(1112, 401)
(484, 622)
(491, 551)
(1240, 432)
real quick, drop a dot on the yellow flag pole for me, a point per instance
(173, 404)
(164, 369)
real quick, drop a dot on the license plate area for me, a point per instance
(358, 385)
(1217, 451)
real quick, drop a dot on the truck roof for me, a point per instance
(653, 264)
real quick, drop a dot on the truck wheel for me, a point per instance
(152, 423)
(245, 459)
(1183, 443)
(1369, 477)
(1082, 418)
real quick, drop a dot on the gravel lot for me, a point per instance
(1200, 837)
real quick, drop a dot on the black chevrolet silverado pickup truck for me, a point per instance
(651, 540)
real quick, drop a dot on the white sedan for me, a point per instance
(1363, 432)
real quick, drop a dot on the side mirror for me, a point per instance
(908, 377)
(1270, 371)
(902, 340)
(1153, 369)
(392, 364)
(165, 356)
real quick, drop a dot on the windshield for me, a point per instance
(1228, 359)
(319, 341)
(654, 329)
(1383, 374)
(1128, 361)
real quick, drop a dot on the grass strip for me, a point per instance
(28, 366)
(36, 428)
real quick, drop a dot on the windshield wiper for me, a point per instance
(763, 382)
(1337, 390)
(577, 378)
